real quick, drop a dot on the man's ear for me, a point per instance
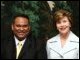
(12, 26)
(29, 28)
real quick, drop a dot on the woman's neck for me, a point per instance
(64, 36)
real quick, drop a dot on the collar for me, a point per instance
(72, 38)
(17, 41)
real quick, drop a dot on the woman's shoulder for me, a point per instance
(74, 37)
(53, 39)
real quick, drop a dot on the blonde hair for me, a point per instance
(62, 13)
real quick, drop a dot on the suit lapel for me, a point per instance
(70, 45)
(55, 45)
(25, 49)
(11, 49)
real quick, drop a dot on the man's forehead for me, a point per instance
(20, 19)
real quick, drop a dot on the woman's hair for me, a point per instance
(62, 13)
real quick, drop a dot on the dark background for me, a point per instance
(40, 16)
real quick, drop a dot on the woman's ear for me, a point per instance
(70, 25)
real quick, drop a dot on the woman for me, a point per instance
(65, 45)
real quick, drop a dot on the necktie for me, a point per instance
(19, 46)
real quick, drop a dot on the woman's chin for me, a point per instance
(63, 32)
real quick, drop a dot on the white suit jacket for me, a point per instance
(69, 51)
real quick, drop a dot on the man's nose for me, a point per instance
(21, 28)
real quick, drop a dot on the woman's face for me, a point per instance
(63, 25)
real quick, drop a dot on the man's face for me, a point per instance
(21, 27)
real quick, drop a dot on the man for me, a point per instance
(11, 49)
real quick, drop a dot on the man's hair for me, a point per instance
(19, 15)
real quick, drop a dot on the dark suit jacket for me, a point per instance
(30, 49)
